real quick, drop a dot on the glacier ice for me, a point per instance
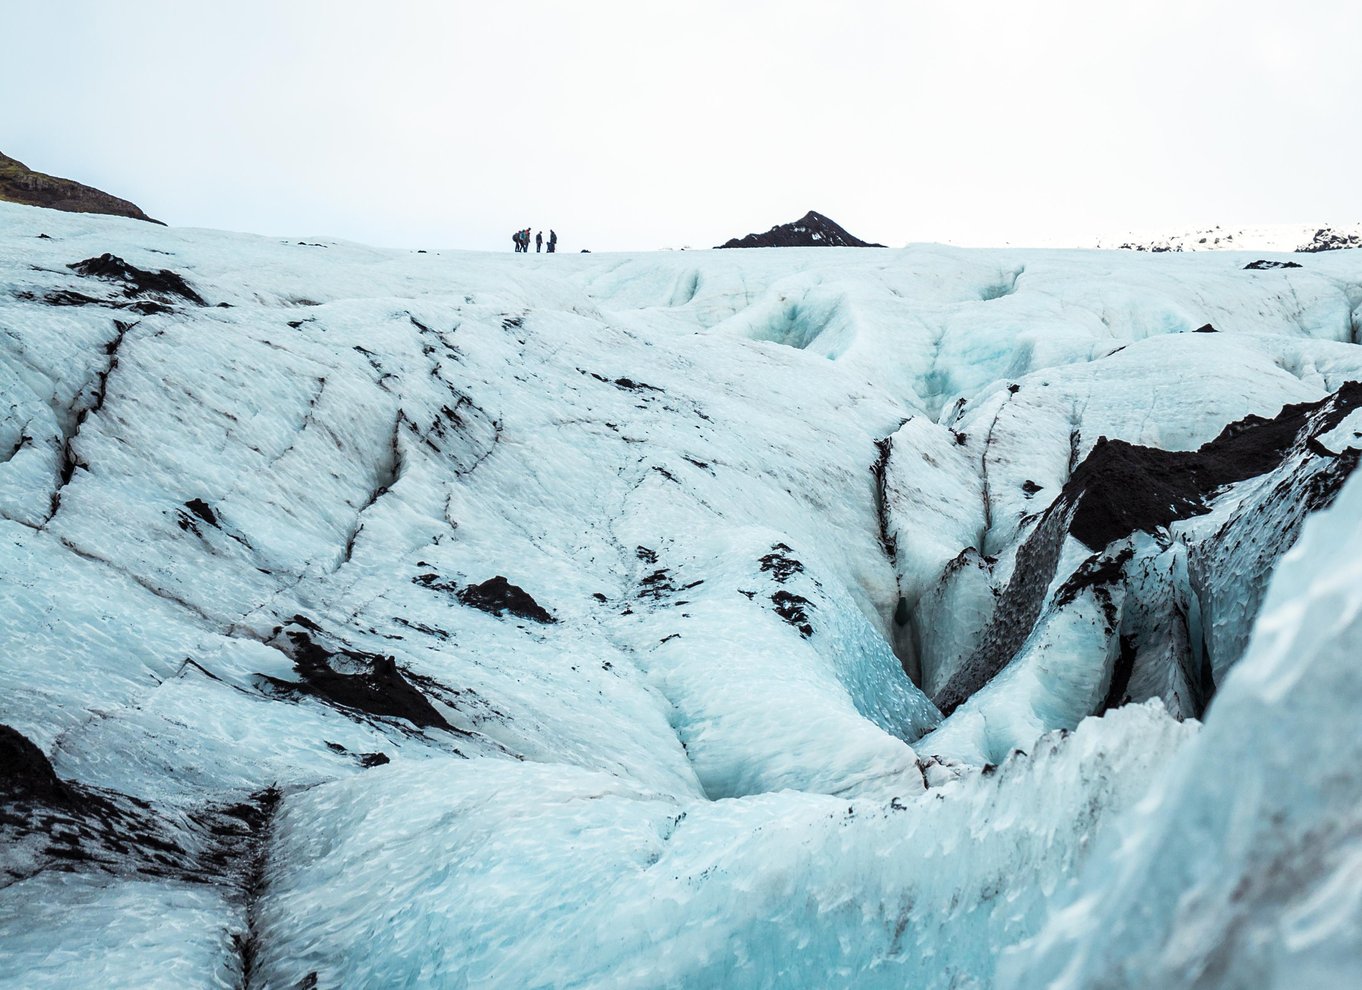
(759, 619)
(1241, 867)
(553, 878)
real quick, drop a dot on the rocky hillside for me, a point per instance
(810, 230)
(20, 184)
(1301, 238)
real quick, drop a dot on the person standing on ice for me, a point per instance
(515, 239)
(553, 241)
(538, 242)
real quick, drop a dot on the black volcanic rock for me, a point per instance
(25, 771)
(1328, 239)
(20, 184)
(811, 230)
(1122, 487)
(499, 595)
(353, 679)
(135, 281)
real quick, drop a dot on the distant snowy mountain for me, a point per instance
(20, 184)
(1298, 238)
(811, 230)
(924, 618)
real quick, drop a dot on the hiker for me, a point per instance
(539, 242)
(553, 241)
(515, 239)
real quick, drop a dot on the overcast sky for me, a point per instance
(629, 124)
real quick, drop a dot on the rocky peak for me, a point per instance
(20, 184)
(811, 230)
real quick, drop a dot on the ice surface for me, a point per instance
(772, 510)
(65, 930)
(548, 878)
(1241, 866)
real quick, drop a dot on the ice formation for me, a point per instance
(788, 618)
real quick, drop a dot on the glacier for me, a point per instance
(932, 617)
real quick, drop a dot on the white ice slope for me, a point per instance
(374, 618)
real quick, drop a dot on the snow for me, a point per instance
(777, 505)
(1262, 237)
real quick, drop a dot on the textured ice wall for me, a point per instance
(1243, 867)
(532, 876)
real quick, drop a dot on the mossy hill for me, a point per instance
(20, 184)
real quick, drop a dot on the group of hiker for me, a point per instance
(521, 238)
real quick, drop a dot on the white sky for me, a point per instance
(630, 124)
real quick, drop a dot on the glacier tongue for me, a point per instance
(756, 619)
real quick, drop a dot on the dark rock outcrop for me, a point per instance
(20, 184)
(790, 607)
(25, 771)
(353, 679)
(1328, 239)
(811, 230)
(137, 282)
(498, 595)
(1121, 487)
